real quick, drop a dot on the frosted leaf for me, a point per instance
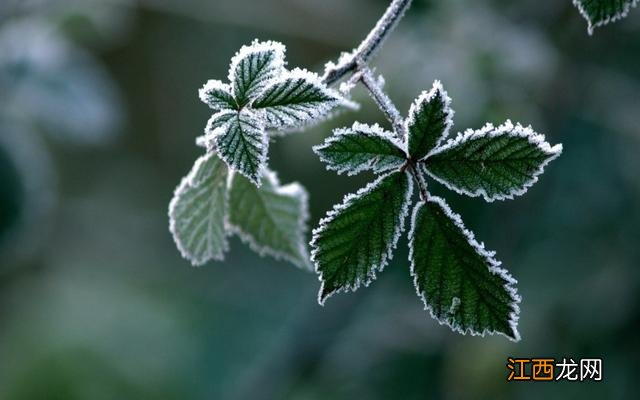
(297, 99)
(197, 211)
(217, 95)
(429, 121)
(496, 163)
(460, 283)
(214, 125)
(242, 143)
(361, 148)
(253, 68)
(601, 12)
(357, 238)
(271, 219)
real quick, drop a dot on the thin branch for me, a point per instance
(382, 100)
(370, 45)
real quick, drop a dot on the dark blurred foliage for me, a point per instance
(95, 301)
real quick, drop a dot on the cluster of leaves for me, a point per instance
(459, 281)
(230, 189)
(602, 12)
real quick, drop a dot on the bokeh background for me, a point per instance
(98, 116)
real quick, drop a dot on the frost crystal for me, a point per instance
(272, 219)
(197, 210)
(496, 163)
(357, 238)
(254, 67)
(243, 144)
(360, 148)
(296, 99)
(458, 280)
(429, 121)
(602, 12)
(217, 95)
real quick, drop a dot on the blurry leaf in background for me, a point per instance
(27, 187)
(271, 219)
(49, 82)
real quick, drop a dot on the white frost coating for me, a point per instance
(257, 46)
(609, 19)
(213, 86)
(294, 190)
(489, 130)
(251, 136)
(211, 251)
(346, 87)
(386, 257)
(359, 128)
(215, 126)
(300, 114)
(455, 304)
(426, 97)
(370, 45)
(493, 265)
(383, 101)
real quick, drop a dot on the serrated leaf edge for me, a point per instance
(358, 128)
(387, 257)
(189, 181)
(293, 189)
(494, 268)
(315, 80)
(213, 84)
(263, 156)
(610, 19)
(533, 137)
(258, 47)
(208, 139)
(426, 97)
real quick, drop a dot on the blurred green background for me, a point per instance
(98, 117)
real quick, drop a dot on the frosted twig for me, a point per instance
(367, 49)
(382, 100)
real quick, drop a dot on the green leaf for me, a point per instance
(215, 124)
(601, 12)
(217, 96)
(361, 148)
(496, 163)
(272, 218)
(253, 68)
(429, 121)
(298, 99)
(197, 211)
(242, 143)
(460, 282)
(357, 237)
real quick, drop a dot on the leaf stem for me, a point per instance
(370, 45)
(382, 100)
(422, 184)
